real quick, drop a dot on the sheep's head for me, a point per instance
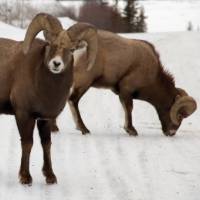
(61, 43)
(183, 106)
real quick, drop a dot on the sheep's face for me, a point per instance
(59, 54)
(57, 59)
(168, 127)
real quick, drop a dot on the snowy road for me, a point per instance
(108, 164)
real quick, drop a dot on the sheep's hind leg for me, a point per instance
(45, 136)
(25, 125)
(127, 103)
(73, 103)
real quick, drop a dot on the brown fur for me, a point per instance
(33, 87)
(31, 92)
(132, 69)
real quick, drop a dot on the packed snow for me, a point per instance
(108, 164)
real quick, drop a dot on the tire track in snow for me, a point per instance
(178, 188)
(162, 161)
(4, 142)
(114, 171)
(61, 151)
(103, 189)
(95, 189)
(12, 173)
(137, 166)
(146, 171)
(88, 173)
(74, 167)
(187, 173)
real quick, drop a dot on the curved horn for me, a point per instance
(41, 22)
(183, 107)
(87, 32)
(182, 92)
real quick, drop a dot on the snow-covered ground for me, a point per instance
(170, 15)
(108, 164)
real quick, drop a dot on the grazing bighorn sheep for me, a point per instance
(35, 78)
(131, 69)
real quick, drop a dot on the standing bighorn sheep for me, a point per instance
(35, 78)
(132, 70)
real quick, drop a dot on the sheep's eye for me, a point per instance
(72, 50)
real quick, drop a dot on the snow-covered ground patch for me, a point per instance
(8, 31)
(108, 164)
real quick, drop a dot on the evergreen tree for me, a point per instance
(190, 26)
(141, 24)
(134, 17)
(130, 13)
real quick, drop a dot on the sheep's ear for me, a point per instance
(87, 32)
(81, 44)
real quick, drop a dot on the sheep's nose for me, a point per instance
(56, 63)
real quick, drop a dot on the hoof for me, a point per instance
(131, 131)
(51, 179)
(84, 131)
(25, 179)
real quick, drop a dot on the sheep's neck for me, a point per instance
(52, 87)
(157, 94)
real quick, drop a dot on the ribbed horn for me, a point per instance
(182, 92)
(183, 107)
(87, 32)
(41, 22)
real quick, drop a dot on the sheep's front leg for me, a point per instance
(73, 103)
(127, 104)
(25, 125)
(45, 136)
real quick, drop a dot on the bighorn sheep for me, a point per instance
(131, 69)
(35, 78)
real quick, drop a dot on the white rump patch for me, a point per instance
(56, 65)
